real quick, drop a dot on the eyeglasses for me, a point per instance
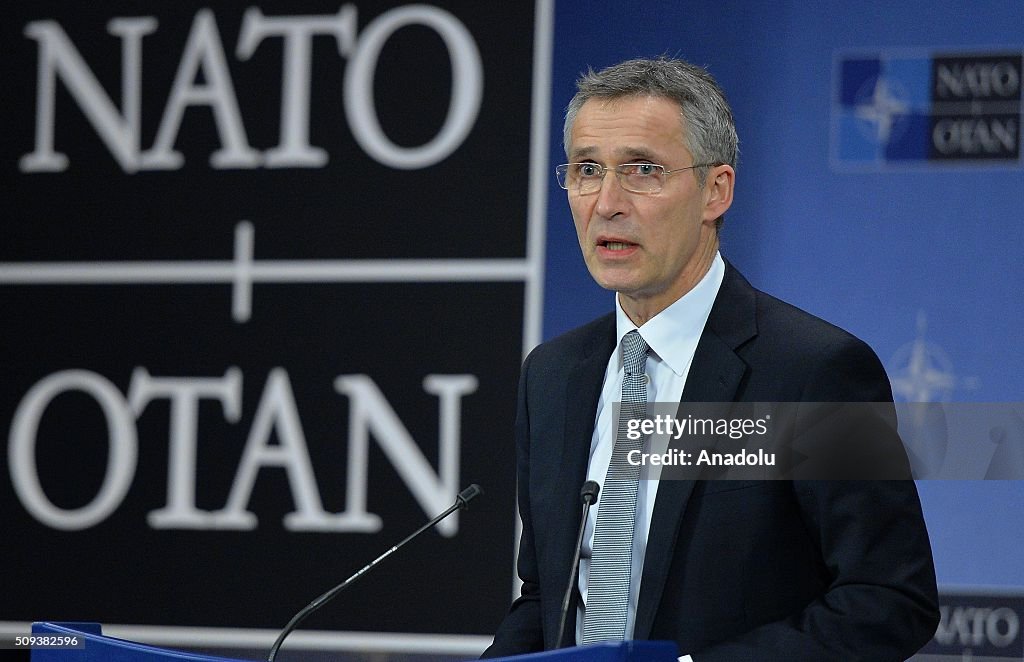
(586, 178)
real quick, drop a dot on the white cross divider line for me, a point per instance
(265, 271)
(243, 271)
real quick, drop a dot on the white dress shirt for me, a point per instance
(672, 336)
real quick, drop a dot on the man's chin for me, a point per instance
(615, 277)
(624, 286)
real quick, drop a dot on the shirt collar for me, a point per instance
(673, 333)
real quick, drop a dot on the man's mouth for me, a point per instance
(616, 245)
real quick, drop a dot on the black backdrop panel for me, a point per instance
(471, 204)
(251, 281)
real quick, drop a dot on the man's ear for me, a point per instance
(718, 189)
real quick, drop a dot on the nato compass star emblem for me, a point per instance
(924, 378)
(879, 106)
(924, 373)
(880, 110)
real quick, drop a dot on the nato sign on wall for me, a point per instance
(263, 280)
(912, 109)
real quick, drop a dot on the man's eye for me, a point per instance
(589, 170)
(639, 170)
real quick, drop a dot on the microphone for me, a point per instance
(461, 503)
(589, 496)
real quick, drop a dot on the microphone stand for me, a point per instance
(461, 503)
(589, 497)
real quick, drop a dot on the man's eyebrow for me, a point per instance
(582, 153)
(627, 154)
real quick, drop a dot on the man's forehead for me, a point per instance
(627, 128)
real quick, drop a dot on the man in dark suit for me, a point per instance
(730, 570)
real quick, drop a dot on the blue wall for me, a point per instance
(906, 254)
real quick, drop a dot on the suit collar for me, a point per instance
(733, 318)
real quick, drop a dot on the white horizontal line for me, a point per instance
(243, 271)
(254, 638)
(265, 271)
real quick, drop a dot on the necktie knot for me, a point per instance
(634, 353)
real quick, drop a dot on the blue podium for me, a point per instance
(98, 648)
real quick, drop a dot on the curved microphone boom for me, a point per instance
(589, 497)
(461, 503)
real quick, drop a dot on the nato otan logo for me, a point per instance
(893, 110)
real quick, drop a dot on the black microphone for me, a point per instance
(589, 496)
(461, 503)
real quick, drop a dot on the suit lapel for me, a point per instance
(715, 375)
(582, 390)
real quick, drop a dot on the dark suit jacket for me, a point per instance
(755, 570)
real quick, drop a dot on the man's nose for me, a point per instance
(612, 199)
